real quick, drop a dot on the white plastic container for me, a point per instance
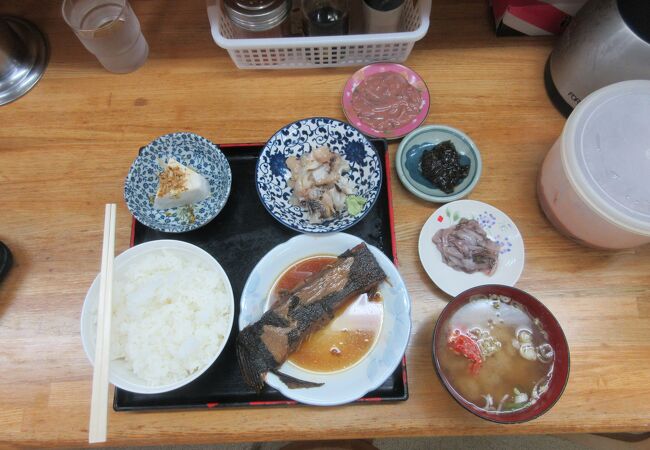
(594, 185)
(321, 51)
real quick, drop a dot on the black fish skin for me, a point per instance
(256, 360)
(294, 383)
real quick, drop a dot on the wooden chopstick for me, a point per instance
(99, 402)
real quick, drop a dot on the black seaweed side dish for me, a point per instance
(441, 166)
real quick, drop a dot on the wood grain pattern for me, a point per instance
(66, 147)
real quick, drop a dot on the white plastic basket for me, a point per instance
(321, 51)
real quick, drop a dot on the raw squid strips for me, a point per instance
(386, 101)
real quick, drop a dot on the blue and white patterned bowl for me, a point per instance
(193, 151)
(301, 137)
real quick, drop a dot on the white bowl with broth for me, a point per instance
(348, 368)
(501, 354)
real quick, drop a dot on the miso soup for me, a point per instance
(495, 355)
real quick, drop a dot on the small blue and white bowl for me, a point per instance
(272, 174)
(409, 153)
(193, 151)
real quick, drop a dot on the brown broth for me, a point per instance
(502, 371)
(348, 337)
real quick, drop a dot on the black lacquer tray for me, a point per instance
(238, 238)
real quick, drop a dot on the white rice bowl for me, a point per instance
(173, 310)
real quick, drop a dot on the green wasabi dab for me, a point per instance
(354, 204)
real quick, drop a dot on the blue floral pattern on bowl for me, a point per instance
(298, 138)
(193, 151)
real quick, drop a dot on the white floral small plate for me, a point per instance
(381, 361)
(498, 227)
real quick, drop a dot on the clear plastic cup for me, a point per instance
(110, 30)
(594, 185)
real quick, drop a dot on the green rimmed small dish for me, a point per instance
(409, 153)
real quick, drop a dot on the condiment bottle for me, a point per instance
(258, 18)
(382, 16)
(325, 17)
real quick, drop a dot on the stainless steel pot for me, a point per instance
(608, 41)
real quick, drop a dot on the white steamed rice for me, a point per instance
(171, 314)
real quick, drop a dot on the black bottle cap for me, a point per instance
(636, 14)
(384, 5)
(5, 260)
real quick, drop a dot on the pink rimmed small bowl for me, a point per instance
(392, 133)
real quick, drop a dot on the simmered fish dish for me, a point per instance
(265, 345)
(348, 337)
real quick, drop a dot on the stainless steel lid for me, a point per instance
(24, 54)
(257, 15)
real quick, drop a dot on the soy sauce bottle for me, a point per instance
(325, 17)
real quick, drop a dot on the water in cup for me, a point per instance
(110, 30)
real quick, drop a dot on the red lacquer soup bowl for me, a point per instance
(556, 338)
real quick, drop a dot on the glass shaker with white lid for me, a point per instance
(258, 18)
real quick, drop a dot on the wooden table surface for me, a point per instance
(66, 147)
